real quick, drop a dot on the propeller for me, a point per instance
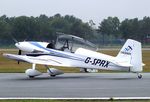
(16, 42)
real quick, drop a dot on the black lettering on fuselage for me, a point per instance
(106, 65)
(102, 63)
(87, 60)
(98, 62)
(94, 62)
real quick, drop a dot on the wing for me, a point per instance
(44, 59)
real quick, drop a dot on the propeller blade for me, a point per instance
(19, 53)
(14, 39)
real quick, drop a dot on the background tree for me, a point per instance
(144, 29)
(5, 29)
(109, 26)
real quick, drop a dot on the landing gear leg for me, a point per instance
(52, 74)
(33, 67)
(139, 75)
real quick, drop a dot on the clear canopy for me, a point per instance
(71, 43)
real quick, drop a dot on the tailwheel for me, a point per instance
(139, 75)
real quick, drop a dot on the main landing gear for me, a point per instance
(32, 72)
(53, 72)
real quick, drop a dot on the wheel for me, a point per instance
(53, 75)
(31, 76)
(139, 76)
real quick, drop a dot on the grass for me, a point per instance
(10, 66)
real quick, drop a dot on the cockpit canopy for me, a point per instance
(70, 43)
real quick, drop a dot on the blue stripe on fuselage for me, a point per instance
(56, 53)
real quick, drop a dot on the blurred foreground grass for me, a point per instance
(8, 66)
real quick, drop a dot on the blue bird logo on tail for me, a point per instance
(127, 50)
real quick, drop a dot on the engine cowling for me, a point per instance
(54, 71)
(32, 72)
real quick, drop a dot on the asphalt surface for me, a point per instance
(75, 85)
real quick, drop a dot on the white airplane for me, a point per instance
(129, 59)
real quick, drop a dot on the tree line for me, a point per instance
(128, 28)
(44, 28)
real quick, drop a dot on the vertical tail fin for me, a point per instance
(131, 53)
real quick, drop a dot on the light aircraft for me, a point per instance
(129, 59)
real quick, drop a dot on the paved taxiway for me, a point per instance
(72, 85)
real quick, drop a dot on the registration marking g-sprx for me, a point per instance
(97, 62)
